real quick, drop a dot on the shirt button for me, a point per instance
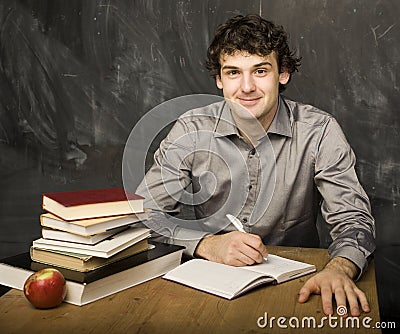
(250, 186)
(252, 151)
(244, 220)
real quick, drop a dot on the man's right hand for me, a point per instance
(233, 248)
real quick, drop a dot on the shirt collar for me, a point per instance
(225, 126)
(280, 125)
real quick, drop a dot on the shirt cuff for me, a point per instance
(189, 239)
(354, 255)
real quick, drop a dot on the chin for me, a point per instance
(255, 113)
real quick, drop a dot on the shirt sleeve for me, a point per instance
(164, 188)
(345, 206)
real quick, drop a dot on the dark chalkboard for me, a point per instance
(76, 76)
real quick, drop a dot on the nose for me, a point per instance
(247, 83)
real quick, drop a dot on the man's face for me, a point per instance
(252, 81)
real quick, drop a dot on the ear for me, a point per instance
(218, 82)
(284, 78)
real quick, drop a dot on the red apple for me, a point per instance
(46, 288)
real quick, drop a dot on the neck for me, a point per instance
(250, 128)
(266, 120)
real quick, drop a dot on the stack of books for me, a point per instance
(93, 239)
(84, 230)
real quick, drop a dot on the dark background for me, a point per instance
(76, 76)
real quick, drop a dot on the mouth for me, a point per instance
(248, 101)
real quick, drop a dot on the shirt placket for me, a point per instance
(253, 163)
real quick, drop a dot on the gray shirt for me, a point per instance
(276, 188)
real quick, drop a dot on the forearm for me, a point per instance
(344, 265)
(202, 248)
(355, 244)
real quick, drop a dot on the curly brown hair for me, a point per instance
(252, 34)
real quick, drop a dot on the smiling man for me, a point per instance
(252, 81)
(270, 161)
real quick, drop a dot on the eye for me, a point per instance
(261, 71)
(232, 73)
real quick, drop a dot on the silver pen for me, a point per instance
(236, 222)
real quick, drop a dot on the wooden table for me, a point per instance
(161, 306)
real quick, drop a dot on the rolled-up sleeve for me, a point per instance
(345, 207)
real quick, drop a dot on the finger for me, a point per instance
(264, 252)
(362, 299)
(251, 246)
(326, 297)
(250, 255)
(238, 255)
(236, 259)
(255, 242)
(246, 257)
(236, 262)
(353, 302)
(306, 291)
(341, 301)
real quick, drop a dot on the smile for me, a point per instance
(249, 101)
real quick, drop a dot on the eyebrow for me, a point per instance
(230, 67)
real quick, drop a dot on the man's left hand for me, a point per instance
(336, 279)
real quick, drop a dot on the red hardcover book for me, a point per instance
(84, 204)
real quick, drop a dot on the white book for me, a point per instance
(49, 233)
(93, 225)
(230, 282)
(105, 248)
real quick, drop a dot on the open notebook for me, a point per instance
(229, 282)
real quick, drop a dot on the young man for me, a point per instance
(269, 161)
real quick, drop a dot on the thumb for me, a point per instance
(305, 292)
